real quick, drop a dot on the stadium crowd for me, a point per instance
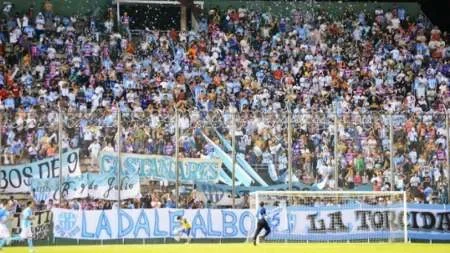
(343, 76)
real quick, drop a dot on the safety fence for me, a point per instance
(204, 159)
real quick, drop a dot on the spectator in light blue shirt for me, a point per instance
(107, 64)
(29, 30)
(17, 147)
(428, 192)
(170, 203)
(203, 25)
(302, 32)
(243, 102)
(9, 103)
(362, 18)
(401, 13)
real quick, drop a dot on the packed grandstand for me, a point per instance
(310, 101)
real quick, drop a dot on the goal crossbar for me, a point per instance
(365, 193)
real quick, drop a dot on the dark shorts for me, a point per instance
(186, 231)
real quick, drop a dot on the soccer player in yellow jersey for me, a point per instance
(185, 229)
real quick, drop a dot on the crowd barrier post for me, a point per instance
(335, 145)
(119, 154)
(118, 14)
(177, 150)
(233, 155)
(1, 132)
(391, 153)
(60, 150)
(447, 115)
(289, 149)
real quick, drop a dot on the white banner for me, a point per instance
(17, 178)
(95, 186)
(350, 222)
(344, 223)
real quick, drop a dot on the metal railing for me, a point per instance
(329, 150)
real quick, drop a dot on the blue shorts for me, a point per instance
(186, 231)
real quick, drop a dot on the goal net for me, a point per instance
(299, 216)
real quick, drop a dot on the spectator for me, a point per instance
(330, 73)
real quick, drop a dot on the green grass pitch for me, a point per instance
(244, 247)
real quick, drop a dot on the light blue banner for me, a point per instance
(162, 167)
(151, 223)
(242, 178)
(241, 161)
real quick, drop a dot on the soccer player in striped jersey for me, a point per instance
(4, 231)
(262, 223)
(25, 225)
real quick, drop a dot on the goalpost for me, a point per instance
(334, 216)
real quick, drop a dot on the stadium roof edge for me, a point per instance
(162, 2)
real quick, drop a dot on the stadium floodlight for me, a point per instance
(334, 216)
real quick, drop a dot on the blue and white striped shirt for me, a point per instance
(261, 215)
